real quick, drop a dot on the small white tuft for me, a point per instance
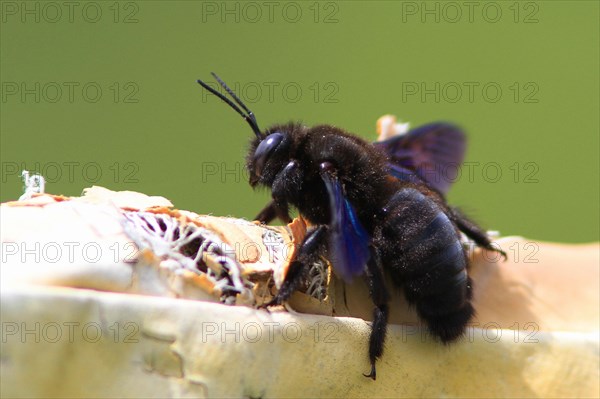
(34, 184)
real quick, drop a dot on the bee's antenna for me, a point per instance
(248, 116)
(236, 98)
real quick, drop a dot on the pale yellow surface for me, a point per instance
(535, 335)
(162, 347)
(554, 287)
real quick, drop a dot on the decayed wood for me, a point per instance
(547, 296)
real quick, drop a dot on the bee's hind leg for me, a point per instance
(474, 232)
(380, 297)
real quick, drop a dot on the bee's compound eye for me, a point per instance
(272, 140)
(264, 150)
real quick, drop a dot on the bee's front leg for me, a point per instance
(286, 185)
(272, 211)
(308, 253)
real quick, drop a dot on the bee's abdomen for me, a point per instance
(421, 248)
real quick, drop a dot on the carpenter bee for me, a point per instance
(374, 209)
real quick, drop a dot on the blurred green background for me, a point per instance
(105, 93)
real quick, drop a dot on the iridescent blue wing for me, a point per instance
(348, 240)
(430, 154)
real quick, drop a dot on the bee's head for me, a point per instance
(268, 152)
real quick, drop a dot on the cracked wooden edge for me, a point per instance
(47, 222)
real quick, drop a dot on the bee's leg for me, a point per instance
(268, 213)
(474, 232)
(308, 253)
(271, 211)
(286, 183)
(380, 297)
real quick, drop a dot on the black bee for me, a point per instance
(375, 208)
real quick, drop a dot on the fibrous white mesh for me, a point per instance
(190, 247)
